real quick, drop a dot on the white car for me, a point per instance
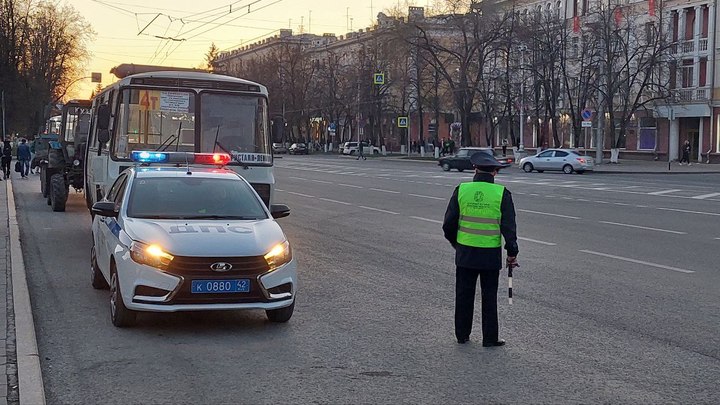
(351, 148)
(189, 238)
(567, 160)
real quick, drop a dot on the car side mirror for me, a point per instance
(107, 209)
(279, 210)
(103, 117)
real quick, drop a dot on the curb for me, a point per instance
(30, 381)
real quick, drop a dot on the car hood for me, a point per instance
(207, 237)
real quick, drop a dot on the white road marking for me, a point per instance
(426, 196)
(385, 191)
(549, 214)
(627, 259)
(434, 221)
(301, 194)
(704, 196)
(297, 178)
(377, 209)
(643, 227)
(322, 181)
(348, 185)
(623, 204)
(537, 241)
(664, 191)
(601, 202)
(689, 212)
(277, 189)
(583, 200)
(641, 206)
(335, 201)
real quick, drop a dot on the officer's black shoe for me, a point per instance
(499, 342)
(463, 340)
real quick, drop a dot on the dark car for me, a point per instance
(298, 149)
(461, 160)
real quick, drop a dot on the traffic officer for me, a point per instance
(480, 213)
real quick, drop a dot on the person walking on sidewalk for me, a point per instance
(24, 156)
(6, 159)
(479, 215)
(361, 155)
(686, 153)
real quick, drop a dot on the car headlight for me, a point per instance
(151, 255)
(278, 255)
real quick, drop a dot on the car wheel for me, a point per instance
(119, 314)
(446, 167)
(528, 167)
(352, 153)
(567, 169)
(97, 278)
(376, 152)
(280, 315)
(460, 170)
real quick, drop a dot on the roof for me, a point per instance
(206, 172)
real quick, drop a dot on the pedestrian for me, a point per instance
(480, 213)
(24, 156)
(6, 159)
(451, 147)
(361, 154)
(504, 146)
(686, 153)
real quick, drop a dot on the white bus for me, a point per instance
(179, 110)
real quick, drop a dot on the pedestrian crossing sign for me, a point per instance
(379, 78)
(402, 122)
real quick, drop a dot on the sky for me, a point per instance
(127, 31)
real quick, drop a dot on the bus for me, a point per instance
(171, 109)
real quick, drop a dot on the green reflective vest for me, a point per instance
(480, 214)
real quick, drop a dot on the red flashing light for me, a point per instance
(212, 158)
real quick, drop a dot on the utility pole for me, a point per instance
(3, 115)
(521, 146)
(601, 122)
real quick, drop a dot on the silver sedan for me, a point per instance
(566, 160)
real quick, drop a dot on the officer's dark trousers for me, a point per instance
(465, 282)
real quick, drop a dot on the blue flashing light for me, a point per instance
(149, 157)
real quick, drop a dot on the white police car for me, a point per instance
(188, 238)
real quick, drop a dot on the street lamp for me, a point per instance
(521, 146)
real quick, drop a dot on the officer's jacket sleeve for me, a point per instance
(452, 218)
(508, 228)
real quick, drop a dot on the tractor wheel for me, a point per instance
(43, 181)
(58, 192)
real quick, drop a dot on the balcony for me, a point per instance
(691, 95)
(688, 46)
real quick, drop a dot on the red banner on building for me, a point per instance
(576, 24)
(651, 8)
(618, 16)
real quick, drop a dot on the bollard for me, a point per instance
(437, 153)
(422, 151)
(384, 151)
(402, 149)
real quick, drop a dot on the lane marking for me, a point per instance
(385, 191)
(549, 214)
(335, 201)
(377, 209)
(348, 185)
(704, 196)
(627, 259)
(300, 194)
(322, 181)
(689, 212)
(427, 196)
(537, 241)
(297, 178)
(601, 202)
(664, 192)
(277, 189)
(434, 221)
(643, 227)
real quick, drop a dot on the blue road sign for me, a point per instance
(402, 122)
(587, 114)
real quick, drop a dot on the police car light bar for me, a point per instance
(147, 157)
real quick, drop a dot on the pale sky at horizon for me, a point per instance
(117, 24)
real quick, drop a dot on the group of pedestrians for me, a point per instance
(24, 156)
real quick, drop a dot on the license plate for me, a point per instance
(220, 286)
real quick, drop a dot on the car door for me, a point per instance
(107, 227)
(457, 161)
(559, 160)
(543, 161)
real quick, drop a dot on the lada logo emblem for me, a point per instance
(220, 266)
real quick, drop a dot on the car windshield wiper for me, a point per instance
(155, 217)
(240, 217)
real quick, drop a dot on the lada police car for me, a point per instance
(189, 236)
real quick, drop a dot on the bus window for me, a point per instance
(148, 119)
(239, 123)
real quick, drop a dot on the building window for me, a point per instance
(687, 73)
(647, 140)
(558, 8)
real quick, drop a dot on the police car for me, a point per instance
(178, 232)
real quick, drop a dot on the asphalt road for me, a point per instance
(616, 299)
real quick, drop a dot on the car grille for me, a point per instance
(198, 268)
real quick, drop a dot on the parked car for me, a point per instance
(298, 149)
(279, 148)
(461, 160)
(566, 160)
(351, 148)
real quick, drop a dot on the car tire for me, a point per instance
(97, 278)
(280, 315)
(58, 192)
(119, 314)
(568, 169)
(446, 167)
(460, 170)
(352, 153)
(528, 167)
(376, 152)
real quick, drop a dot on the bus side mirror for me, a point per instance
(103, 117)
(103, 136)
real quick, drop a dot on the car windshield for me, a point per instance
(191, 197)
(165, 120)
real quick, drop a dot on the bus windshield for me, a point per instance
(166, 120)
